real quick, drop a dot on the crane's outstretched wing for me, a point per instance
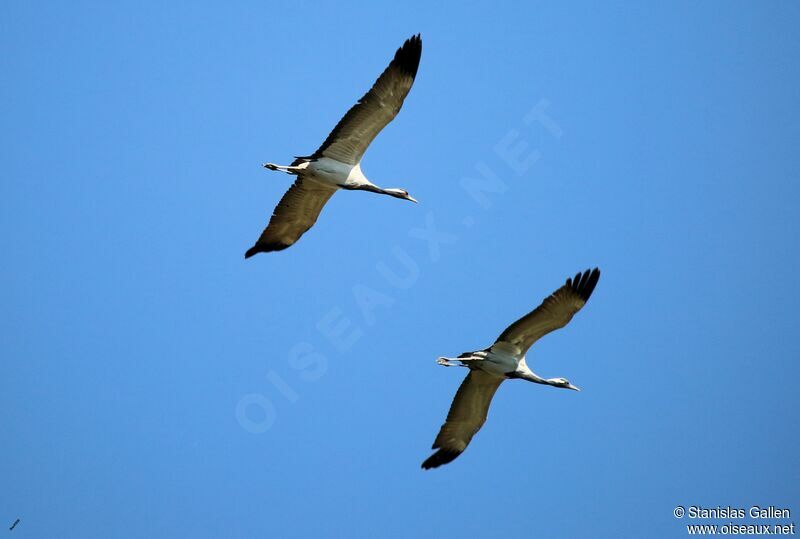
(294, 215)
(555, 312)
(355, 131)
(466, 417)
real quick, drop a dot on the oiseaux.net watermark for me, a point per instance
(729, 520)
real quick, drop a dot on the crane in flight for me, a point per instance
(337, 163)
(505, 360)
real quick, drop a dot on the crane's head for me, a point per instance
(562, 382)
(399, 193)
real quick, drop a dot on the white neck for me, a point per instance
(531, 376)
(526, 374)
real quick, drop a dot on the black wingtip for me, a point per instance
(583, 283)
(265, 248)
(443, 456)
(407, 57)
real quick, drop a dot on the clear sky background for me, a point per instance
(156, 384)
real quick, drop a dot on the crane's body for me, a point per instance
(504, 361)
(335, 174)
(501, 359)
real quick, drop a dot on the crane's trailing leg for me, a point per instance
(281, 168)
(460, 361)
(448, 362)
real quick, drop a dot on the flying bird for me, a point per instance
(337, 163)
(505, 360)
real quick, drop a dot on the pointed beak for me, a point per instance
(570, 386)
(412, 199)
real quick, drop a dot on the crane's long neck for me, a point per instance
(392, 192)
(374, 188)
(531, 376)
(526, 374)
(356, 181)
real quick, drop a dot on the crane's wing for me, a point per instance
(294, 215)
(466, 417)
(355, 131)
(555, 312)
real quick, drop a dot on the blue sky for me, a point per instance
(154, 383)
